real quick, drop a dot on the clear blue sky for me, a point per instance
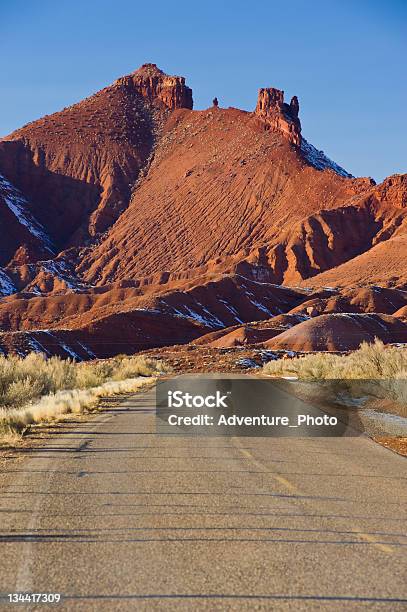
(346, 61)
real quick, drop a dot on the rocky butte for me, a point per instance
(278, 115)
(153, 84)
(131, 221)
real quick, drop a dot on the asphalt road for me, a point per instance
(114, 517)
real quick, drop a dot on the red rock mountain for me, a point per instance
(130, 212)
(79, 166)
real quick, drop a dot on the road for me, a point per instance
(114, 517)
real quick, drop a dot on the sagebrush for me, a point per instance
(34, 389)
(56, 406)
(375, 370)
(23, 379)
(370, 362)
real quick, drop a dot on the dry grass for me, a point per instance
(35, 389)
(25, 379)
(376, 369)
(369, 362)
(55, 406)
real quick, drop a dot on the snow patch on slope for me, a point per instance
(195, 310)
(319, 160)
(36, 346)
(19, 206)
(231, 309)
(6, 285)
(262, 307)
(60, 269)
(65, 347)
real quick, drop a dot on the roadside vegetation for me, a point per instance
(34, 389)
(374, 370)
(370, 362)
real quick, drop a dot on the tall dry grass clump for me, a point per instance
(370, 362)
(55, 406)
(23, 379)
(377, 370)
(35, 389)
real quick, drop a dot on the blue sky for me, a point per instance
(346, 61)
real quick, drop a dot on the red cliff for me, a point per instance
(153, 84)
(278, 115)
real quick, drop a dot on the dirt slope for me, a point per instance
(354, 299)
(220, 189)
(79, 166)
(384, 264)
(23, 238)
(131, 202)
(106, 336)
(216, 303)
(340, 332)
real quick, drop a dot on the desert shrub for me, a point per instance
(55, 406)
(381, 370)
(91, 374)
(130, 367)
(24, 379)
(370, 361)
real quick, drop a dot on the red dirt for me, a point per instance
(355, 299)
(158, 223)
(401, 313)
(340, 332)
(78, 166)
(384, 264)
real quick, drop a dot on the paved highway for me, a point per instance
(114, 517)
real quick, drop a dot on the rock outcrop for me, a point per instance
(153, 84)
(277, 115)
(79, 166)
(129, 215)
